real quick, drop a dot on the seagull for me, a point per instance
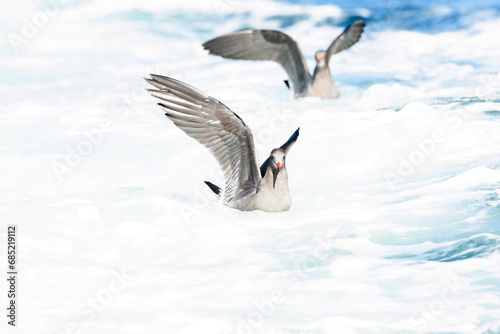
(247, 187)
(279, 47)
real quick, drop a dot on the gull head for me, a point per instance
(276, 162)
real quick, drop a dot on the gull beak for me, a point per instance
(275, 173)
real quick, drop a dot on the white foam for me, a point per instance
(353, 253)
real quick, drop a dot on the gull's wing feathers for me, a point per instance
(346, 39)
(289, 143)
(264, 45)
(215, 126)
(285, 147)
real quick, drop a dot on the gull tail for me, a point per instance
(214, 188)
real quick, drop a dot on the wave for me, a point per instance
(476, 246)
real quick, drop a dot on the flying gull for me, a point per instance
(283, 49)
(247, 187)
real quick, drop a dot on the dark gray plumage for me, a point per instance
(281, 48)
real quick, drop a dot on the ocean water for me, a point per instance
(395, 221)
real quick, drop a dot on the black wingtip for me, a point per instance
(295, 135)
(359, 23)
(287, 83)
(289, 143)
(214, 188)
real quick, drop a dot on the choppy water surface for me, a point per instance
(395, 220)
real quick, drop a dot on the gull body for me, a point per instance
(247, 187)
(271, 195)
(278, 47)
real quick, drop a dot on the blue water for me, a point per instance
(424, 16)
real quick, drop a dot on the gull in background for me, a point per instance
(247, 187)
(283, 49)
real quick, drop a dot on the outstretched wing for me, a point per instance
(215, 126)
(264, 45)
(289, 143)
(285, 147)
(346, 39)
